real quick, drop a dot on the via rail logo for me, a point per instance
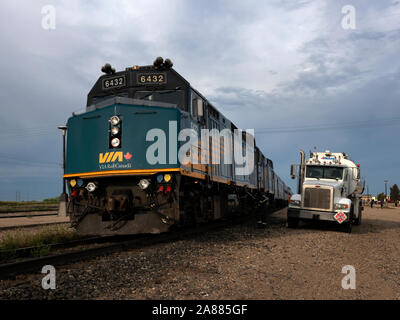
(115, 160)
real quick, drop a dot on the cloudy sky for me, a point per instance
(286, 68)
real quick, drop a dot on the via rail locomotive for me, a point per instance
(115, 189)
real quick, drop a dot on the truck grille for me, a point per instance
(317, 198)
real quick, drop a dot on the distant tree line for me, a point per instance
(394, 194)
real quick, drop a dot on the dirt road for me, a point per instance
(241, 262)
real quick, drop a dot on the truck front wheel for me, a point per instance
(292, 222)
(348, 225)
(357, 221)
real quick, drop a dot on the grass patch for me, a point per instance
(26, 206)
(39, 240)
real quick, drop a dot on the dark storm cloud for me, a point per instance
(276, 64)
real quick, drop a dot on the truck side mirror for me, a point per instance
(292, 172)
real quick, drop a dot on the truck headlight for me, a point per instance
(341, 206)
(295, 203)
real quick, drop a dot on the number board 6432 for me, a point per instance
(114, 82)
(152, 78)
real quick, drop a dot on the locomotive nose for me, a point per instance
(120, 200)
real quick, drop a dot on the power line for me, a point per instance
(30, 162)
(331, 126)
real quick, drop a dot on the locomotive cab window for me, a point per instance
(197, 105)
(166, 96)
(97, 100)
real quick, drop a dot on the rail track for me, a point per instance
(26, 215)
(115, 244)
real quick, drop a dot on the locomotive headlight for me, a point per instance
(114, 120)
(144, 184)
(167, 178)
(160, 178)
(115, 142)
(91, 187)
(114, 131)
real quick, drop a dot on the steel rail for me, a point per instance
(10, 270)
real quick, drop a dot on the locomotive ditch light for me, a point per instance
(91, 186)
(115, 142)
(144, 184)
(114, 120)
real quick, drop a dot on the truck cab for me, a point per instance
(329, 188)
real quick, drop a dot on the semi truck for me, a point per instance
(329, 188)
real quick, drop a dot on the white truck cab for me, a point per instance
(329, 188)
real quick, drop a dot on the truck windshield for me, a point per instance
(322, 172)
(167, 96)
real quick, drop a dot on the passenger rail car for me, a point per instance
(123, 165)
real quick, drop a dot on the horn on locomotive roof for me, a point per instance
(158, 63)
(107, 69)
(168, 63)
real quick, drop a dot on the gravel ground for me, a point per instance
(240, 262)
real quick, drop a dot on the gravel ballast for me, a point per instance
(240, 262)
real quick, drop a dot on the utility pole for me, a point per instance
(386, 181)
(62, 210)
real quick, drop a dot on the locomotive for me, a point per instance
(129, 170)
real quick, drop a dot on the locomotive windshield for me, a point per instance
(321, 172)
(168, 96)
(96, 100)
